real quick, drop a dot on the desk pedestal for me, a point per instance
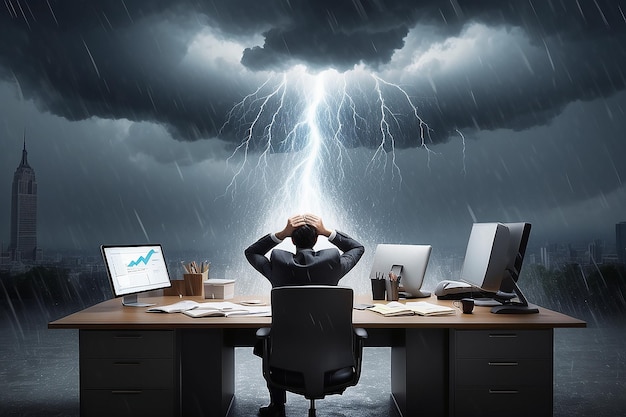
(207, 372)
(419, 364)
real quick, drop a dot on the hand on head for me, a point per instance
(294, 222)
(300, 220)
(316, 221)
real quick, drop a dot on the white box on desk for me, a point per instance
(221, 289)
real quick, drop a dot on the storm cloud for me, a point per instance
(468, 65)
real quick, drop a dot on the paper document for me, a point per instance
(211, 309)
(423, 308)
(393, 308)
(228, 312)
(178, 307)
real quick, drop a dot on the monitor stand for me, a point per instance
(494, 300)
(131, 301)
(511, 307)
(419, 294)
(515, 308)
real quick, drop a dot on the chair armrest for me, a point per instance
(263, 332)
(360, 332)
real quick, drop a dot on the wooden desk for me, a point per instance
(138, 363)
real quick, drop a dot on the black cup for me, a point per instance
(378, 289)
(467, 305)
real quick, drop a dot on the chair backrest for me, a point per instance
(312, 331)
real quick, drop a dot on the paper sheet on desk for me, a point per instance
(424, 308)
(227, 309)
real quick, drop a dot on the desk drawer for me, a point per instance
(127, 344)
(493, 344)
(496, 402)
(127, 403)
(508, 373)
(127, 373)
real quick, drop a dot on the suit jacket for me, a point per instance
(306, 266)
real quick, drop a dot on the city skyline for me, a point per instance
(145, 140)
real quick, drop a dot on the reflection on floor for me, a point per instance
(39, 374)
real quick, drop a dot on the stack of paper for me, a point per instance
(211, 309)
(422, 308)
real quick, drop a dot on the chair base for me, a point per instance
(312, 409)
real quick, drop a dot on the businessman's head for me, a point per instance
(304, 237)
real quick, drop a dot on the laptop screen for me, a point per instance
(135, 268)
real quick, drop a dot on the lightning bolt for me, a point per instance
(387, 118)
(463, 147)
(303, 124)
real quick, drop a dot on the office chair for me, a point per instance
(312, 348)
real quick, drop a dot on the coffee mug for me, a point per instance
(467, 305)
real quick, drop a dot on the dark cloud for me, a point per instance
(334, 34)
(126, 59)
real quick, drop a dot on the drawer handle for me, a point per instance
(126, 363)
(502, 335)
(503, 363)
(125, 392)
(128, 336)
(503, 391)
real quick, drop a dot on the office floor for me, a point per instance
(39, 374)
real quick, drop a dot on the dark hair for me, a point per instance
(304, 237)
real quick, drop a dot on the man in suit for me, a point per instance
(305, 267)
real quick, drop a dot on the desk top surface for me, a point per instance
(111, 314)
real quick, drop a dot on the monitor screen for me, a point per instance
(413, 260)
(135, 268)
(486, 256)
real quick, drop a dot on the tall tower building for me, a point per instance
(620, 241)
(23, 244)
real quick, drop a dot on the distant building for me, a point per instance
(545, 257)
(595, 251)
(620, 241)
(23, 244)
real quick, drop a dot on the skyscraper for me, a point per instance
(620, 241)
(23, 244)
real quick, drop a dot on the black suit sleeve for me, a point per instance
(352, 251)
(255, 254)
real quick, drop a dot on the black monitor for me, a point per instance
(486, 256)
(519, 233)
(133, 269)
(407, 261)
(491, 261)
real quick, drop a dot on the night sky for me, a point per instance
(188, 123)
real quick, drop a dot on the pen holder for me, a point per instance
(392, 290)
(193, 283)
(378, 289)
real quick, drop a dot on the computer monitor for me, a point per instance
(486, 256)
(133, 269)
(487, 263)
(407, 261)
(519, 233)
